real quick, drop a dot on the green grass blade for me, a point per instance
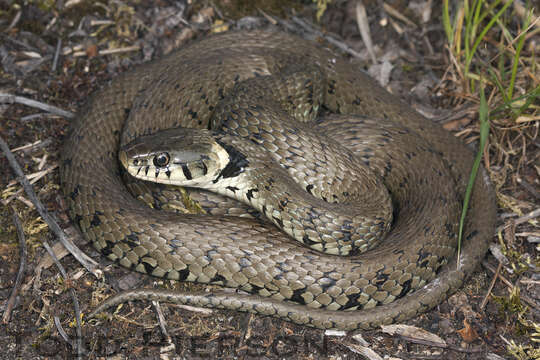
(483, 33)
(446, 23)
(519, 47)
(484, 133)
(529, 97)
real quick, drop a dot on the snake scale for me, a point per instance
(424, 167)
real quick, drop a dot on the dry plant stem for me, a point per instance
(533, 214)
(33, 178)
(314, 32)
(530, 188)
(363, 27)
(342, 46)
(13, 99)
(81, 257)
(161, 320)
(477, 349)
(56, 55)
(393, 12)
(76, 306)
(22, 268)
(507, 282)
(497, 272)
(14, 22)
(364, 351)
(61, 330)
(35, 145)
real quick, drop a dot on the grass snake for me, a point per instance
(212, 82)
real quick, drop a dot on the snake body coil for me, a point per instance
(424, 168)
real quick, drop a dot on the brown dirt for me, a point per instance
(420, 60)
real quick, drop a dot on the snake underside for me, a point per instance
(424, 168)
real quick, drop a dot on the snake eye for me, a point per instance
(162, 159)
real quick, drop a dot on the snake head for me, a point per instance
(180, 156)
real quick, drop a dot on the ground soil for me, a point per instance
(419, 59)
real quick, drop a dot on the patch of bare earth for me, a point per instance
(57, 53)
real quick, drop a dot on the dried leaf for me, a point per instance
(468, 334)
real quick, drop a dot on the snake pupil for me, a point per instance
(161, 160)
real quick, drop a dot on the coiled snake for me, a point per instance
(424, 168)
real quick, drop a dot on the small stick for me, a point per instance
(363, 27)
(393, 12)
(14, 22)
(22, 268)
(533, 214)
(35, 177)
(61, 331)
(34, 145)
(73, 298)
(13, 99)
(493, 281)
(162, 321)
(530, 188)
(341, 45)
(107, 51)
(86, 261)
(56, 55)
(523, 297)
(477, 349)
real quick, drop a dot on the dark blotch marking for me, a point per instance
(381, 278)
(441, 262)
(77, 220)
(236, 165)
(204, 168)
(192, 113)
(309, 188)
(75, 192)
(250, 192)
(95, 220)
(308, 241)
(332, 87)
(422, 261)
(352, 301)
(149, 269)
(186, 172)
(406, 288)
(471, 235)
(183, 274)
(232, 188)
(297, 296)
(278, 221)
(132, 240)
(218, 279)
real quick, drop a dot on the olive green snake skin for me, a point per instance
(425, 168)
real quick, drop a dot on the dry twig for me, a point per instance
(13, 99)
(76, 306)
(484, 302)
(22, 268)
(477, 349)
(363, 27)
(86, 261)
(523, 297)
(339, 44)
